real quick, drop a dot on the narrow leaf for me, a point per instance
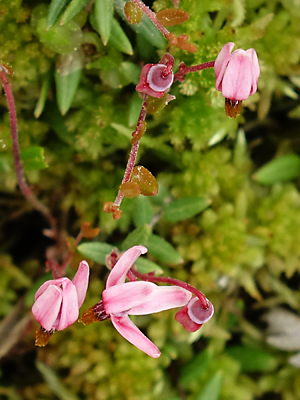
(252, 359)
(73, 9)
(163, 250)
(33, 158)
(55, 384)
(142, 211)
(118, 38)
(96, 251)
(193, 369)
(40, 105)
(146, 28)
(55, 10)
(67, 78)
(145, 266)
(185, 208)
(138, 236)
(281, 169)
(104, 16)
(211, 390)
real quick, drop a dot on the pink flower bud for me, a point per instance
(155, 80)
(236, 73)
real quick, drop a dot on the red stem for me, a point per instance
(183, 70)
(133, 153)
(25, 189)
(172, 281)
(152, 16)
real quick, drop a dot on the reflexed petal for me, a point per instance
(221, 63)
(123, 297)
(131, 333)
(47, 306)
(166, 297)
(119, 271)
(81, 281)
(237, 80)
(45, 285)
(183, 318)
(199, 314)
(69, 309)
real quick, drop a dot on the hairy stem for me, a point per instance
(183, 70)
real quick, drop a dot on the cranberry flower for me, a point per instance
(156, 79)
(57, 303)
(236, 74)
(121, 299)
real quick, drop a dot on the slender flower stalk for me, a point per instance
(183, 70)
(25, 189)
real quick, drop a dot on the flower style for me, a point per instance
(121, 299)
(57, 303)
(236, 74)
(156, 79)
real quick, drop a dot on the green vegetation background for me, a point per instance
(75, 98)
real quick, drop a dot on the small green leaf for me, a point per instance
(163, 250)
(185, 208)
(103, 12)
(134, 109)
(67, 78)
(211, 390)
(142, 211)
(145, 266)
(73, 9)
(118, 38)
(193, 369)
(40, 105)
(55, 10)
(252, 359)
(96, 251)
(281, 169)
(138, 236)
(33, 158)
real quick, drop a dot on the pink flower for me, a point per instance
(155, 79)
(237, 73)
(57, 301)
(121, 299)
(194, 315)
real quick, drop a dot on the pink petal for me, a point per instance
(255, 70)
(69, 309)
(237, 80)
(156, 80)
(131, 333)
(46, 307)
(45, 285)
(221, 63)
(119, 271)
(81, 281)
(166, 297)
(197, 313)
(123, 297)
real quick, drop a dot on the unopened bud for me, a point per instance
(133, 13)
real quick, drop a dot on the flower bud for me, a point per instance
(146, 181)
